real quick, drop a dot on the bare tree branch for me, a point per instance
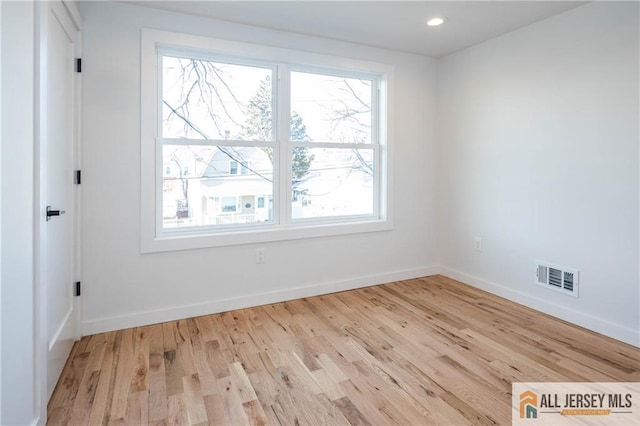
(224, 150)
(355, 95)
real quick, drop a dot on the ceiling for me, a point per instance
(398, 25)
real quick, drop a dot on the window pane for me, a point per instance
(330, 109)
(228, 204)
(213, 100)
(200, 187)
(332, 182)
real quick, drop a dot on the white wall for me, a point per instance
(17, 180)
(122, 288)
(538, 155)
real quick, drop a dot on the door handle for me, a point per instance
(53, 213)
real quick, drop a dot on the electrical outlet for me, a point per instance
(260, 255)
(477, 244)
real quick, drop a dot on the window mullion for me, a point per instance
(283, 144)
(214, 142)
(332, 145)
(159, 188)
(375, 140)
(377, 183)
(375, 112)
(159, 193)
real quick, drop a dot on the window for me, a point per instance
(237, 125)
(233, 167)
(229, 204)
(334, 153)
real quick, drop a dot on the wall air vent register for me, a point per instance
(557, 278)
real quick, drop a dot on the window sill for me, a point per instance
(256, 236)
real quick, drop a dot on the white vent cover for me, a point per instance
(558, 278)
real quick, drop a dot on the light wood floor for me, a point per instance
(424, 351)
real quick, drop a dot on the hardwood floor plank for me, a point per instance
(196, 411)
(231, 402)
(331, 368)
(104, 391)
(350, 412)
(266, 387)
(367, 399)
(174, 372)
(138, 408)
(169, 336)
(216, 412)
(177, 410)
(84, 399)
(214, 356)
(297, 376)
(96, 347)
(328, 386)
(255, 413)
(140, 379)
(414, 352)
(123, 376)
(69, 384)
(158, 408)
(59, 415)
(195, 334)
(207, 331)
(242, 383)
(156, 340)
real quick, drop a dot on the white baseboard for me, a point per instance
(215, 306)
(599, 325)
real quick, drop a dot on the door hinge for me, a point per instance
(78, 177)
(77, 284)
(78, 64)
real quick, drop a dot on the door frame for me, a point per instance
(40, 159)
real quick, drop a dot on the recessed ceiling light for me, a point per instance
(434, 22)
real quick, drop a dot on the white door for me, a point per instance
(57, 185)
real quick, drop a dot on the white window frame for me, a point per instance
(153, 239)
